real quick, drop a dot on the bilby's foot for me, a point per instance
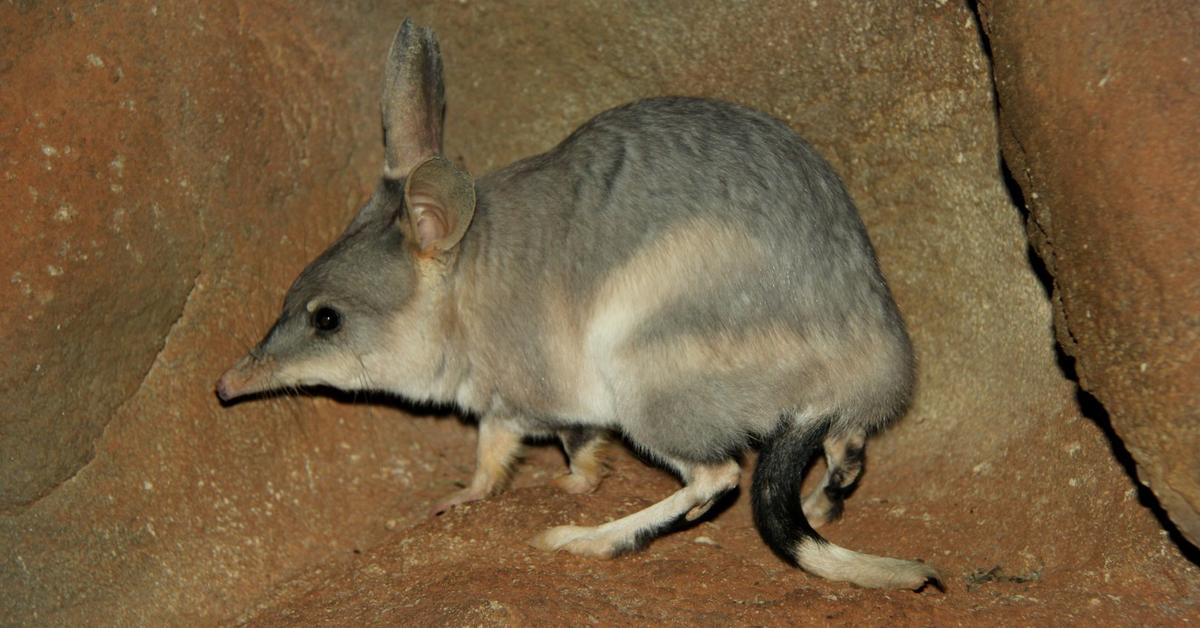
(579, 540)
(577, 483)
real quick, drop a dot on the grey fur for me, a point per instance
(684, 272)
(567, 218)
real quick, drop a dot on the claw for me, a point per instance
(457, 498)
(698, 511)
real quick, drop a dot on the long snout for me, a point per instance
(250, 375)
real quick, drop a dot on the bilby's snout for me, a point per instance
(249, 375)
(226, 390)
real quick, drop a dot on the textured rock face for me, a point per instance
(216, 147)
(88, 239)
(150, 154)
(1100, 113)
(134, 152)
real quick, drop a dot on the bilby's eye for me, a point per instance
(326, 319)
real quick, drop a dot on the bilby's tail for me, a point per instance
(780, 518)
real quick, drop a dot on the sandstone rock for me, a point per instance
(1100, 113)
(150, 155)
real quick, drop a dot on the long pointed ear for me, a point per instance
(440, 202)
(414, 100)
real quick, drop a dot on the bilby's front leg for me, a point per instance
(499, 445)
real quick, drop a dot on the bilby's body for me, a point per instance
(686, 273)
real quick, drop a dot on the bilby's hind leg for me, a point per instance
(703, 484)
(844, 455)
(498, 447)
(585, 453)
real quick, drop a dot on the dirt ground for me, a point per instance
(472, 566)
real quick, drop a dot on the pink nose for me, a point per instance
(231, 385)
(248, 376)
(223, 390)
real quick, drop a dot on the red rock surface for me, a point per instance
(1100, 115)
(246, 133)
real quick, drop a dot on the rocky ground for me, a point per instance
(472, 566)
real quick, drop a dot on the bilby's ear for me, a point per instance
(439, 202)
(414, 100)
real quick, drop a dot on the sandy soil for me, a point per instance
(473, 567)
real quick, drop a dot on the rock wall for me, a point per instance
(1100, 114)
(166, 170)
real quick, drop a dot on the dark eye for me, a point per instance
(326, 319)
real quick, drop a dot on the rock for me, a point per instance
(1099, 113)
(151, 155)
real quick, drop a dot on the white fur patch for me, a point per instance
(873, 572)
(659, 274)
(706, 484)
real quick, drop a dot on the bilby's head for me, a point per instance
(369, 312)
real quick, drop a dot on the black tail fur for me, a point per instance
(775, 489)
(780, 519)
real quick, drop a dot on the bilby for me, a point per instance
(688, 275)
